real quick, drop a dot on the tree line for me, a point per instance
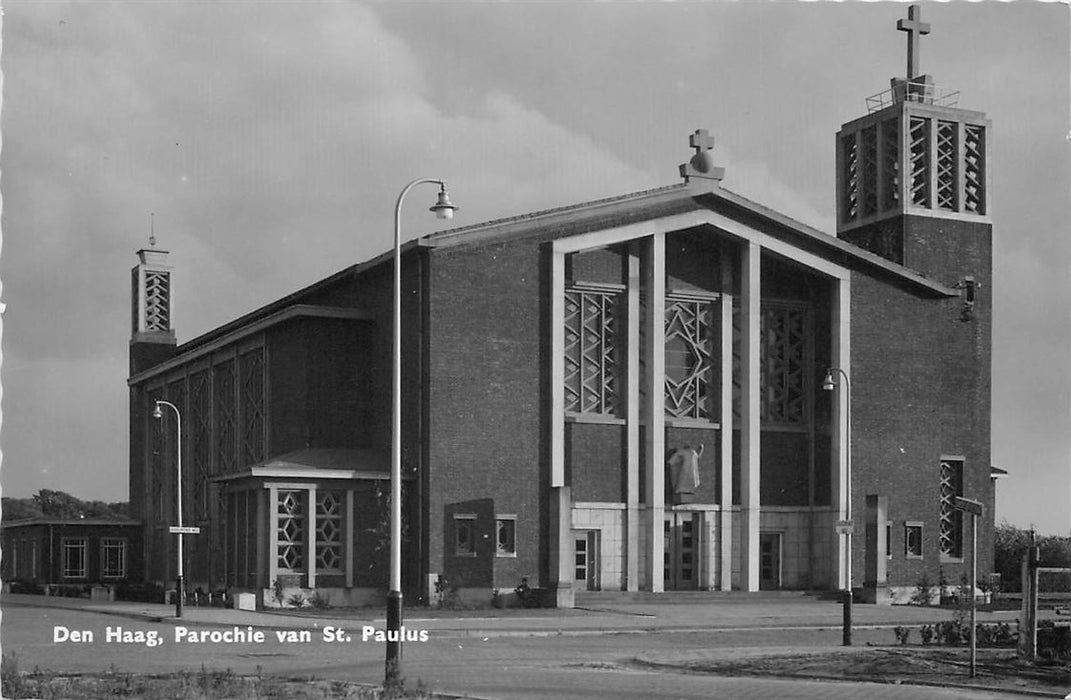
(60, 505)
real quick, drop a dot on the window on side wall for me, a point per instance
(913, 540)
(506, 535)
(112, 557)
(74, 557)
(465, 535)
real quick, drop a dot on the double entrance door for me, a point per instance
(681, 553)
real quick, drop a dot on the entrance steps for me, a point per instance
(596, 599)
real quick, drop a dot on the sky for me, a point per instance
(269, 141)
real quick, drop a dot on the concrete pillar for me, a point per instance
(561, 546)
(750, 433)
(725, 524)
(632, 419)
(655, 452)
(875, 578)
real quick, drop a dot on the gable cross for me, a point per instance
(915, 28)
(701, 165)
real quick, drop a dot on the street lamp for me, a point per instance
(443, 209)
(158, 414)
(829, 385)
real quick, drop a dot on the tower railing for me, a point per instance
(920, 92)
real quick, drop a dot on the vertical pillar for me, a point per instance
(562, 571)
(655, 409)
(750, 276)
(726, 420)
(875, 580)
(561, 545)
(310, 539)
(273, 535)
(348, 540)
(632, 426)
(841, 357)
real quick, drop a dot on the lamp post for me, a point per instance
(158, 414)
(444, 210)
(828, 385)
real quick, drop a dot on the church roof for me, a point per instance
(319, 463)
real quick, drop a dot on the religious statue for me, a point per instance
(683, 469)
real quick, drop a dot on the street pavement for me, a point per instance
(507, 655)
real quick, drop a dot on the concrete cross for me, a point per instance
(702, 164)
(914, 28)
(701, 141)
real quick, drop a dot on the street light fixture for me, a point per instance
(443, 209)
(828, 384)
(158, 415)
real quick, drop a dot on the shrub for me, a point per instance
(923, 590)
(320, 601)
(926, 633)
(297, 600)
(902, 635)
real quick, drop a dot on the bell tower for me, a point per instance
(152, 339)
(913, 175)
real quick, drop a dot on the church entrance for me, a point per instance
(769, 561)
(586, 564)
(681, 553)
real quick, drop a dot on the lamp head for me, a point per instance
(827, 383)
(156, 412)
(444, 208)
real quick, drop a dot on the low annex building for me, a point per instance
(671, 389)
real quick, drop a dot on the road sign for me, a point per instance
(972, 507)
(175, 530)
(845, 527)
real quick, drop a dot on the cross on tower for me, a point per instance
(914, 28)
(701, 165)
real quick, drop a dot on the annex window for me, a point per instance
(112, 557)
(74, 557)
(291, 513)
(506, 535)
(690, 336)
(784, 358)
(951, 532)
(465, 535)
(592, 342)
(913, 540)
(329, 506)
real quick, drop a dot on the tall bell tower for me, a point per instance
(913, 175)
(152, 339)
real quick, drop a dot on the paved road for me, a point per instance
(459, 656)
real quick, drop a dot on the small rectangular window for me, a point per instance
(888, 539)
(506, 535)
(913, 540)
(74, 557)
(465, 535)
(112, 557)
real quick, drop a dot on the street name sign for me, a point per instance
(175, 530)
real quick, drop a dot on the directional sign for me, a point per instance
(972, 507)
(175, 530)
(845, 527)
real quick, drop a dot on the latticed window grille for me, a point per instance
(850, 201)
(74, 557)
(870, 170)
(919, 149)
(158, 461)
(225, 417)
(947, 182)
(329, 506)
(951, 530)
(252, 411)
(157, 300)
(292, 521)
(783, 361)
(200, 408)
(112, 557)
(591, 350)
(974, 168)
(890, 164)
(690, 387)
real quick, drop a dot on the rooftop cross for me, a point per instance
(914, 28)
(701, 165)
(701, 140)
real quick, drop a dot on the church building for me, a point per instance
(675, 389)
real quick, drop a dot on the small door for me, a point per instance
(585, 552)
(681, 551)
(769, 561)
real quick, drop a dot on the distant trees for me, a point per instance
(1010, 543)
(59, 504)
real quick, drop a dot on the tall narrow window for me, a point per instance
(329, 530)
(913, 540)
(784, 359)
(591, 350)
(464, 535)
(506, 535)
(951, 532)
(291, 514)
(74, 557)
(112, 557)
(690, 331)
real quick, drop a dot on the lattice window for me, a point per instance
(951, 531)
(974, 168)
(690, 388)
(112, 557)
(291, 512)
(223, 393)
(783, 358)
(919, 133)
(850, 202)
(870, 170)
(464, 535)
(329, 506)
(947, 189)
(200, 422)
(890, 164)
(157, 300)
(74, 557)
(591, 351)
(252, 412)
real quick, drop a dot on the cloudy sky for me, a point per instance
(271, 139)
